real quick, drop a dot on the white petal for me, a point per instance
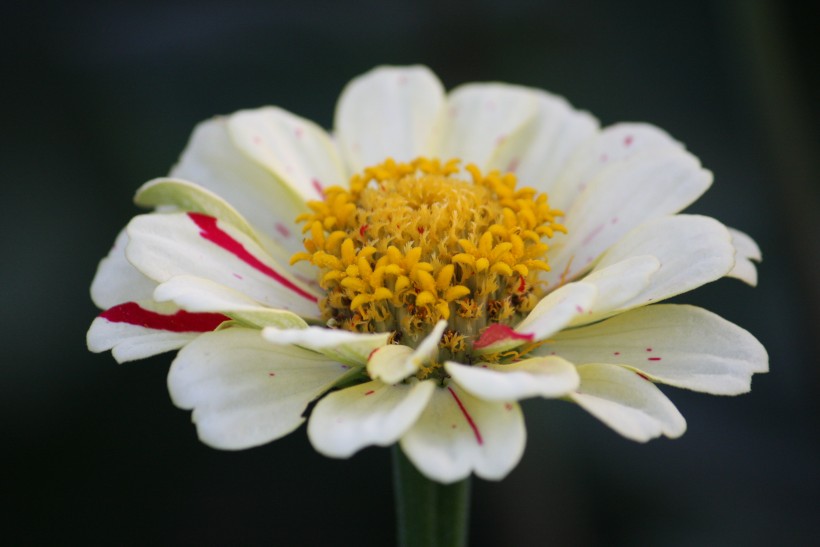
(391, 363)
(188, 196)
(348, 347)
(458, 434)
(618, 284)
(201, 295)
(480, 118)
(214, 161)
(746, 254)
(372, 413)
(558, 309)
(394, 363)
(615, 147)
(297, 151)
(627, 403)
(621, 198)
(539, 377)
(244, 391)
(389, 112)
(683, 346)
(691, 250)
(165, 245)
(117, 281)
(551, 314)
(538, 153)
(136, 330)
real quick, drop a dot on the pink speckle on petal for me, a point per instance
(628, 140)
(513, 165)
(402, 79)
(508, 406)
(604, 158)
(271, 374)
(299, 132)
(236, 275)
(614, 220)
(257, 139)
(318, 187)
(617, 353)
(593, 234)
(579, 309)
(648, 349)
(282, 229)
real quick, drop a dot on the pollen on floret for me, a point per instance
(409, 244)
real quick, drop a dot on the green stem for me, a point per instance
(429, 514)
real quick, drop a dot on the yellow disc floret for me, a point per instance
(411, 243)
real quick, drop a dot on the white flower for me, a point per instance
(426, 296)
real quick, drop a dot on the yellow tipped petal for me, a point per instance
(382, 293)
(456, 292)
(444, 277)
(348, 251)
(359, 301)
(464, 258)
(424, 298)
(501, 269)
(298, 257)
(426, 281)
(402, 282)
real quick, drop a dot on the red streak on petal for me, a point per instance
(182, 321)
(371, 392)
(617, 353)
(498, 333)
(648, 349)
(214, 234)
(643, 376)
(654, 358)
(467, 416)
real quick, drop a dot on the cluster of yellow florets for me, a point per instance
(411, 243)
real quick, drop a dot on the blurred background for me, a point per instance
(99, 97)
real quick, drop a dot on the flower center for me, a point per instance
(412, 243)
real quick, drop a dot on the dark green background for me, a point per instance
(100, 97)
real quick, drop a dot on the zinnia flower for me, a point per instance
(437, 259)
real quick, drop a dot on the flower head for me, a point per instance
(442, 257)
